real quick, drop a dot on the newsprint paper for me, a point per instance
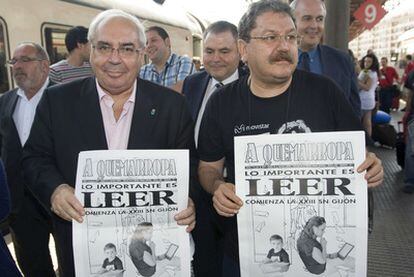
(130, 199)
(304, 206)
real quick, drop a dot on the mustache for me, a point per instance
(281, 56)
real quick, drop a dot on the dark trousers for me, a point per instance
(64, 249)
(215, 238)
(208, 255)
(30, 229)
(386, 96)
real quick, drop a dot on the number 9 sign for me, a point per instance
(369, 13)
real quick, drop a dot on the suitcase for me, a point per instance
(385, 134)
(400, 145)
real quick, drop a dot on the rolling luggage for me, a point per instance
(385, 134)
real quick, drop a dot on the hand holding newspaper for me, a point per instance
(130, 199)
(305, 205)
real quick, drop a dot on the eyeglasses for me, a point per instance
(272, 39)
(23, 60)
(124, 51)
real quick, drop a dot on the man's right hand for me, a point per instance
(225, 200)
(66, 205)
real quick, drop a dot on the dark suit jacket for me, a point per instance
(7, 265)
(11, 148)
(194, 89)
(338, 66)
(69, 120)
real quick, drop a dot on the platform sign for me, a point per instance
(370, 13)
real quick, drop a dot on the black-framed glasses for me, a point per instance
(124, 51)
(272, 39)
(23, 60)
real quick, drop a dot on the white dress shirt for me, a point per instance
(25, 110)
(211, 87)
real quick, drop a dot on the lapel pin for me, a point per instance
(153, 112)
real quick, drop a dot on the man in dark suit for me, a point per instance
(221, 61)
(322, 59)
(30, 224)
(115, 110)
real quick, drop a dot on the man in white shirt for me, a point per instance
(30, 224)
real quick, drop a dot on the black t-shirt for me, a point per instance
(282, 255)
(312, 103)
(115, 264)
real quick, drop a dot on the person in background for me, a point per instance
(221, 61)
(76, 65)
(30, 224)
(408, 67)
(409, 131)
(368, 81)
(322, 59)
(354, 61)
(8, 267)
(166, 68)
(388, 76)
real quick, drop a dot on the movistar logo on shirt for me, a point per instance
(246, 128)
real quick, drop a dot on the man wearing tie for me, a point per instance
(322, 59)
(221, 62)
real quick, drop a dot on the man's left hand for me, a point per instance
(375, 171)
(187, 216)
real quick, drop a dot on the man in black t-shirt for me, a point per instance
(275, 98)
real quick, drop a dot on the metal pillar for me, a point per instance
(337, 23)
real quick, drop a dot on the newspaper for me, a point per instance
(130, 199)
(304, 205)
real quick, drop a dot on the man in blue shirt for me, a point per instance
(322, 59)
(166, 68)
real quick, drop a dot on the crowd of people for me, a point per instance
(271, 72)
(380, 90)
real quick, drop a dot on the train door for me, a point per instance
(53, 39)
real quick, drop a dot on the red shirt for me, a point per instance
(388, 74)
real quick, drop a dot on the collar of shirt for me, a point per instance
(38, 94)
(314, 60)
(107, 99)
(170, 61)
(233, 77)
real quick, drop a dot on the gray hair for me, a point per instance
(40, 51)
(248, 21)
(115, 13)
(295, 3)
(221, 27)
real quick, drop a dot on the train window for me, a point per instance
(4, 81)
(197, 49)
(54, 41)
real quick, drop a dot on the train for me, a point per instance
(47, 21)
